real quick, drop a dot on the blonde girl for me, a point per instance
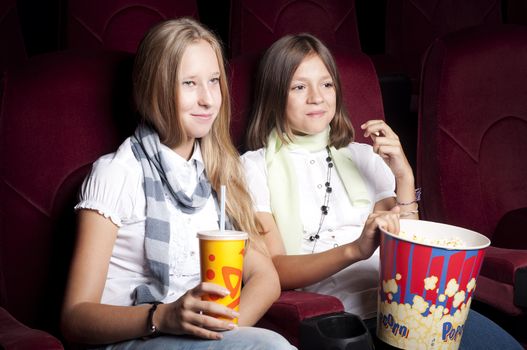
(135, 279)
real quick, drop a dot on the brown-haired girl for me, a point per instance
(321, 197)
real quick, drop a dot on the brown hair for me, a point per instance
(273, 81)
(155, 93)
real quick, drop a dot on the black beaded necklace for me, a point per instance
(324, 209)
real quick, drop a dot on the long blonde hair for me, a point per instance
(155, 93)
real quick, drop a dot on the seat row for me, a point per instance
(406, 29)
(410, 26)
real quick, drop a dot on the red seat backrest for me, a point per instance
(412, 25)
(473, 126)
(60, 112)
(256, 24)
(120, 25)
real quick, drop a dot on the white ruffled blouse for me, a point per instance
(114, 188)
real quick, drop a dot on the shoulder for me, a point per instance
(113, 186)
(119, 166)
(252, 160)
(254, 156)
(256, 178)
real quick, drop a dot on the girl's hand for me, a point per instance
(369, 238)
(386, 144)
(191, 315)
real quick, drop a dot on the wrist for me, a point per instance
(353, 252)
(159, 318)
(405, 179)
(153, 319)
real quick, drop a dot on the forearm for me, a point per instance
(258, 294)
(406, 196)
(94, 323)
(297, 271)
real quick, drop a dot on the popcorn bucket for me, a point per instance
(427, 279)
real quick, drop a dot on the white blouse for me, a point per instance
(114, 188)
(356, 285)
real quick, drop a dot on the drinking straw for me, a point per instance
(222, 209)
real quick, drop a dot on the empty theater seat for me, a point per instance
(471, 152)
(60, 112)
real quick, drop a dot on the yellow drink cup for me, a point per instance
(221, 258)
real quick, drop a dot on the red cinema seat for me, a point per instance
(119, 25)
(412, 25)
(255, 25)
(60, 112)
(471, 150)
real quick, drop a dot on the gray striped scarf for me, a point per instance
(159, 176)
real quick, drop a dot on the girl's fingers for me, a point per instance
(377, 128)
(202, 320)
(387, 151)
(387, 220)
(215, 309)
(208, 288)
(372, 128)
(386, 141)
(202, 332)
(371, 122)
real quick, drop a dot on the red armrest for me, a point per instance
(501, 264)
(293, 307)
(508, 266)
(14, 335)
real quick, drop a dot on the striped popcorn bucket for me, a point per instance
(427, 279)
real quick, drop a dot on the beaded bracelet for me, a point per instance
(417, 198)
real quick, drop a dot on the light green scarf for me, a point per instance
(283, 184)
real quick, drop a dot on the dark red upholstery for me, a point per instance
(286, 314)
(516, 12)
(119, 25)
(12, 49)
(242, 71)
(14, 335)
(412, 25)
(60, 112)
(360, 87)
(471, 152)
(256, 24)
